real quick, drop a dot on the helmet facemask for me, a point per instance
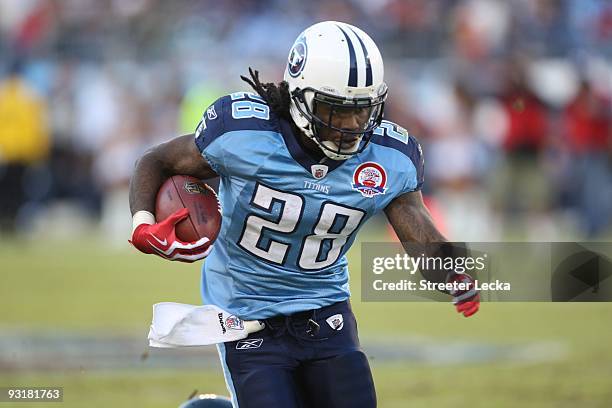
(325, 111)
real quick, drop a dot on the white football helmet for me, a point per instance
(336, 68)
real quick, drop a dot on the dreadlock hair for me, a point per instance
(276, 95)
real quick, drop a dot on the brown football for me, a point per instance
(204, 210)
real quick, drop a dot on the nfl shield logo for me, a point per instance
(318, 171)
(194, 188)
(234, 323)
(336, 322)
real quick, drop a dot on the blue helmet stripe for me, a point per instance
(352, 81)
(367, 58)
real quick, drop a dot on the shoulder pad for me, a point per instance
(391, 135)
(236, 111)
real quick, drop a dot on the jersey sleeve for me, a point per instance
(229, 133)
(209, 130)
(408, 155)
(414, 181)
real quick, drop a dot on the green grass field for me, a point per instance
(76, 287)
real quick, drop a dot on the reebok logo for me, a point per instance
(249, 344)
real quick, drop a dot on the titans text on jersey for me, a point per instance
(288, 221)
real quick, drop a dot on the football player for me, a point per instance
(303, 165)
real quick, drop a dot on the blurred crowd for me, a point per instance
(510, 99)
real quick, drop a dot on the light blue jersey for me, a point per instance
(288, 221)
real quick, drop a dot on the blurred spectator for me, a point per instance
(70, 164)
(24, 144)
(521, 189)
(457, 162)
(541, 27)
(587, 125)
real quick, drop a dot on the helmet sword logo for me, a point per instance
(297, 58)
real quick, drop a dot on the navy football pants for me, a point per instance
(292, 363)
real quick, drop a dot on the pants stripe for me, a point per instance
(227, 375)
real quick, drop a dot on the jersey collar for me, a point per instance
(300, 155)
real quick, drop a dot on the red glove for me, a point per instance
(467, 301)
(160, 239)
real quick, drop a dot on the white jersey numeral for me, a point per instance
(320, 249)
(311, 256)
(289, 215)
